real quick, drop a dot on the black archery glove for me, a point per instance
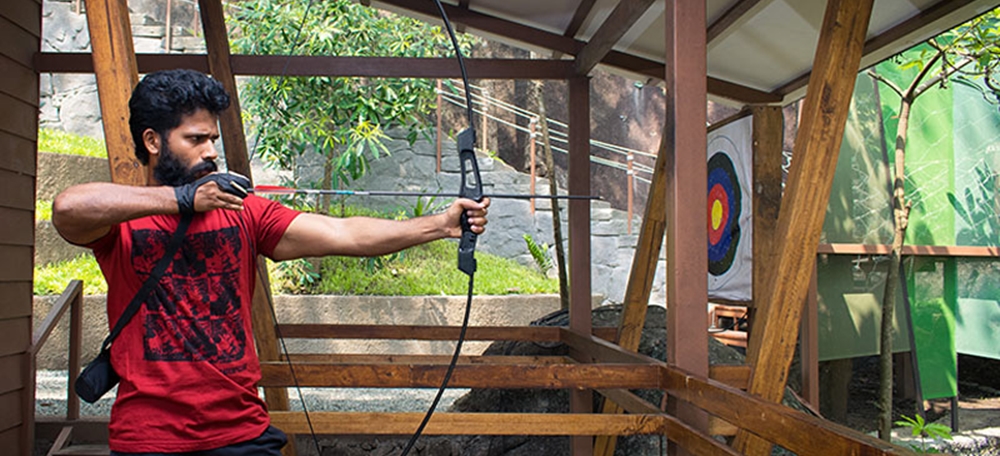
(231, 183)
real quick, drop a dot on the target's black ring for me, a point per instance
(724, 197)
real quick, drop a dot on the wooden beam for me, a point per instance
(356, 358)
(767, 141)
(804, 206)
(579, 16)
(875, 46)
(910, 250)
(790, 428)
(114, 64)
(231, 122)
(621, 19)
(739, 13)
(687, 177)
(379, 423)
(641, 277)
(568, 45)
(393, 375)
(274, 65)
(636, 405)
(415, 332)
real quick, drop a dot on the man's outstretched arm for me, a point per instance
(84, 213)
(313, 235)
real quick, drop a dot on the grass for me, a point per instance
(43, 210)
(52, 279)
(60, 142)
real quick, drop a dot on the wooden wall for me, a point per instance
(20, 39)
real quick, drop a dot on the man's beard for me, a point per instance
(170, 171)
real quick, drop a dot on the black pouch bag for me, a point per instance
(99, 376)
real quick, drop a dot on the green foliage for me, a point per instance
(978, 211)
(920, 428)
(292, 276)
(60, 142)
(344, 119)
(52, 279)
(43, 210)
(540, 253)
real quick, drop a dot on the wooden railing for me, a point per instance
(592, 363)
(71, 299)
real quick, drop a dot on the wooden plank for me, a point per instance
(17, 191)
(276, 373)
(117, 74)
(621, 19)
(631, 403)
(24, 14)
(912, 250)
(264, 323)
(18, 227)
(419, 332)
(17, 263)
(12, 373)
(11, 404)
(423, 359)
(15, 336)
(62, 304)
(346, 423)
(736, 15)
(17, 43)
(273, 65)
(230, 120)
(19, 153)
(794, 430)
(641, 277)
(17, 299)
(18, 118)
(11, 441)
(767, 135)
(806, 194)
(593, 350)
(19, 81)
(734, 376)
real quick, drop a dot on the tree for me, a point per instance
(966, 54)
(343, 119)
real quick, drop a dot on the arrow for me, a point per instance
(278, 190)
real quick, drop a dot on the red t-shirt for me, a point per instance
(187, 360)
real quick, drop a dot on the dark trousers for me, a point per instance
(268, 444)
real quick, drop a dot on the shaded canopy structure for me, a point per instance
(758, 54)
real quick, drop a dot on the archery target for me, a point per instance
(730, 206)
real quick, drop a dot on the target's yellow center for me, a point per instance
(716, 214)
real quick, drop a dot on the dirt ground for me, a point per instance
(978, 401)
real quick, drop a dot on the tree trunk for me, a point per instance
(550, 170)
(901, 215)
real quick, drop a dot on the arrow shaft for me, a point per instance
(309, 191)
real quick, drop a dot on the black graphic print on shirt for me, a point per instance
(194, 313)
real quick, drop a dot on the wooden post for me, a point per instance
(767, 134)
(484, 136)
(579, 238)
(686, 202)
(438, 136)
(117, 74)
(230, 120)
(809, 345)
(75, 347)
(532, 125)
(630, 184)
(640, 279)
(800, 222)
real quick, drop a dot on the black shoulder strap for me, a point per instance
(154, 276)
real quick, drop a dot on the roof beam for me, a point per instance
(735, 15)
(625, 14)
(274, 65)
(567, 45)
(582, 11)
(878, 43)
